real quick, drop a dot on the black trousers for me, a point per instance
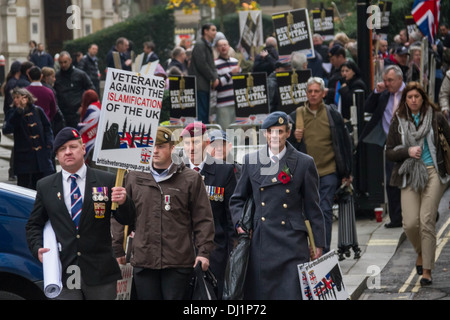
(394, 197)
(162, 284)
(106, 291)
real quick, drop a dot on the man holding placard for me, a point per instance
(77, 201)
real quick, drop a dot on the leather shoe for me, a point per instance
(392, 225)
(419, 270)
(425, 282)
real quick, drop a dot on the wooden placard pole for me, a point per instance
(311, 236)
(119, 182)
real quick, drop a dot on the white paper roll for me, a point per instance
(51, 264)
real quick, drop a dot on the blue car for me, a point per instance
(21, 275)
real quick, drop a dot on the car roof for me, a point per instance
(16, 189)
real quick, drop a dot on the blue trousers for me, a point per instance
(203, 106)
(328, 185)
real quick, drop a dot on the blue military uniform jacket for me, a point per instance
(279, 240)
(220, 182)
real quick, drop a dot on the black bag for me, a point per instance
(203, 284)
(347, 234)
(236, 269)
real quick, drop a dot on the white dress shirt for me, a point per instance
(66, 181)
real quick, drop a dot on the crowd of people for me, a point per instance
(53, 112)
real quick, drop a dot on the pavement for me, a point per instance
(378, 245)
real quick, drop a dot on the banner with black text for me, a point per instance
(129, 118)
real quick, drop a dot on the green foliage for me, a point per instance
(158, 25)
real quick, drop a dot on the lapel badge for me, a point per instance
(59, 195)
(274, 180)
(99, 208)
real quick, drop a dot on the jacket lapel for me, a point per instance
(88, 204)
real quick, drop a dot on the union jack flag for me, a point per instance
(426, 15)
(136, 140)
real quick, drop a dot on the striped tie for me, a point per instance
(75, 200)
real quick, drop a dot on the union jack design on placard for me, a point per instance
(426, 15)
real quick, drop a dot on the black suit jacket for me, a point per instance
(376, 104)
(90, 246)
(222, 176)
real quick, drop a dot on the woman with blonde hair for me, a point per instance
(419, 170)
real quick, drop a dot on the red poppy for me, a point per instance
(284, 177)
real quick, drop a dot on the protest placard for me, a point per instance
(250, 26)
(292, 89)
(183, 99)
(323, 23)
(124, 284)
(385, 13)
(129, 118)
(251, 98)
(293, 32)
(324, 280)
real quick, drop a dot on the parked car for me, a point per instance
(21, 274)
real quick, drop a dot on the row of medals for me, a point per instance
(213, 195)
(100, 194)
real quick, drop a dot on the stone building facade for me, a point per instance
(50, 22)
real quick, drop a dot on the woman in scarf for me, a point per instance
(413, 144)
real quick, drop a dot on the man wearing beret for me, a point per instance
(284, 185)
(174, 224)
(220, 181)
(77, 202)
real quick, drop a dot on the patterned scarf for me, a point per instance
(415, 169)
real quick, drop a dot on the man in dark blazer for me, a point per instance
(85, 244)
(382, 103)
(220, 182)
(284, 185)
(203, 68)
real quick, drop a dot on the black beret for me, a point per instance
(66, 134)
(277, 118)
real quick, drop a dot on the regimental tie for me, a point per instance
(75, 200)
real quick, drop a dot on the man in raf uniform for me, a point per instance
(284, 185)
(220, 181)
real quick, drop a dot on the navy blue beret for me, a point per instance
(66, 134)
(277, 118)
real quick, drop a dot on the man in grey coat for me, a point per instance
(284, 185)
(203, 68)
